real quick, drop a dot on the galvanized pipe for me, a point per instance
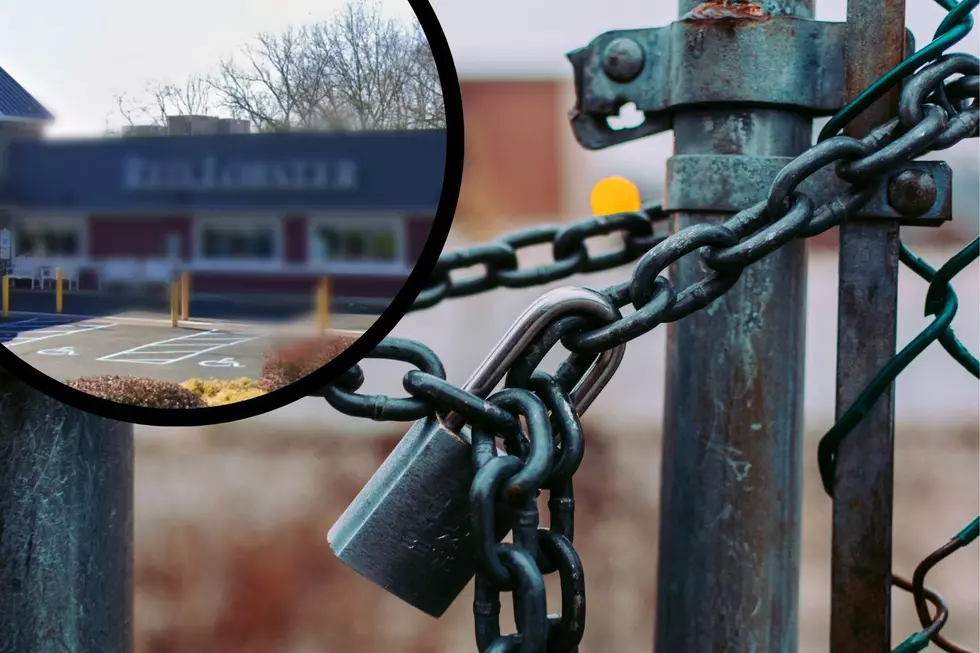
(66, 526)
(729, 549)
(868, 296)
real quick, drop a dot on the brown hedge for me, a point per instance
(291, 362)
(146, 393)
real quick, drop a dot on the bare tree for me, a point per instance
(360, 71)
(424, 87)
(279, 86)
(194, 97)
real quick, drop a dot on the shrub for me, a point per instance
(147, 393)
(218, 392)
(289, 363)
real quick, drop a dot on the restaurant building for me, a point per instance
(256, 213)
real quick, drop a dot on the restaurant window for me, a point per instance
(47, 241)
(238, 242)
(356, 243)
(172, 246)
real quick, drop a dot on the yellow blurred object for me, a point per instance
(615, 195)
(6, 296)
(59, 292)
(323, 305)
(185, 295)
(174, 297)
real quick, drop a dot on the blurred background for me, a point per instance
(231, 520)
(270, 164)
(254, 150)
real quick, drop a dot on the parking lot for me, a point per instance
(66, 349)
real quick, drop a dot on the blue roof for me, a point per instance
(16, 102)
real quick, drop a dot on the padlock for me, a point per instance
(408, 530)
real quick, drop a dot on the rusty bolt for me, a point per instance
(623, 60)
(912, 192)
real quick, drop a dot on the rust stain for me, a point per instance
(728, 10)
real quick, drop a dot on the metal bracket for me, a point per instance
(723, 57)
(917, 194)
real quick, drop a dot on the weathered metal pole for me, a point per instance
(728, 569)
(66, 527)
(868, 297)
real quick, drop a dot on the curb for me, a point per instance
(199, 325)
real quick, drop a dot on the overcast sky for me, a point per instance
(74, 57)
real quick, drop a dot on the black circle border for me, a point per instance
(386, 322)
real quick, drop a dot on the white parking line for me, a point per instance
(34, 335)
(39, 320)
(150, 354)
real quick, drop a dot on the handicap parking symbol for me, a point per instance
(59, 351)
(221, 362)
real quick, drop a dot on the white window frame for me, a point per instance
(355, 219)
(78, 223)
(169, 238)
(201, 222)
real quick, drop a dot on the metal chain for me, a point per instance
(505, 491)
(569, 251)
(935, 113)
(960, 99)
(726, 249)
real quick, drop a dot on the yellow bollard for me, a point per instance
(59, 291)
(174, 291)
(185, 295)
(6, 296)
(323, 304)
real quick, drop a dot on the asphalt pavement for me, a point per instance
(67, 348)
(247, 307)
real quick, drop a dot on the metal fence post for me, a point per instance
(66, 527)
(729, 551)
(868, 297)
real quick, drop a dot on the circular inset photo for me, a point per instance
(211, 214)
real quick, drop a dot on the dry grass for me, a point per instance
(219, 392)
(282, 366)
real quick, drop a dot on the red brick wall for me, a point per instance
(295, 233)
(365, 286)
(132, 236)
(417, 234)
(513, 167)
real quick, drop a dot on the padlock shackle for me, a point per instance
(535, 318)
(599, 375)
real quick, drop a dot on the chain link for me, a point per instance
(535, 462)
(725, 249)
(935, 113)
(923, 595)
(569, 253)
